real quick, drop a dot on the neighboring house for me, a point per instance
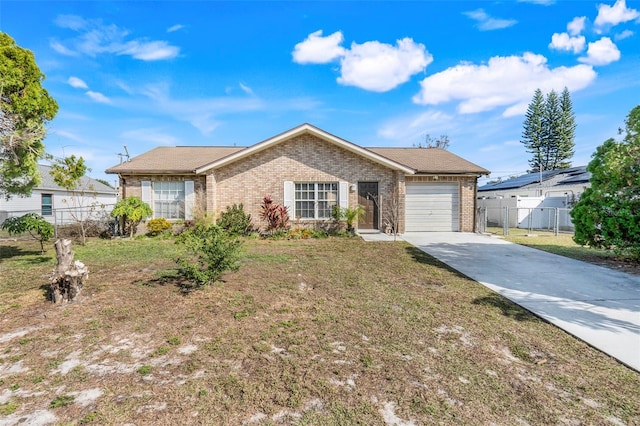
(309, 171)
(57, 204)
(551, 183)
(534, 200)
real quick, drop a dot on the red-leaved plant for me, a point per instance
(275, 215)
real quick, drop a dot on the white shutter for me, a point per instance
(146, 192)
(343, 195)
(189, 197)
(289, 194)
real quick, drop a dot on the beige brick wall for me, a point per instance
(467, 190)
(305, 158)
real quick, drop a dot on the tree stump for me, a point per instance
(69, 276)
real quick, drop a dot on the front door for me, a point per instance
(368, 198)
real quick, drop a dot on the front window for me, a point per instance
(315, 200)
(168, 200)
(46, 205)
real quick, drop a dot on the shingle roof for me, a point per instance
(195, 159)
(174, 159)
(430, 160)
(86, 183)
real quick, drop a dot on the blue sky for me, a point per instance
(150, 73)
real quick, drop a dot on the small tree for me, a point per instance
(34, 224)
(208, 251)
(442, 142)
(608, 213)
(132, 210)
(68, 173)
(276, 216)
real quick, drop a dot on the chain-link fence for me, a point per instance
(94, 218)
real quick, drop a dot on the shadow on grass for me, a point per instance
(172, 277)
(424, 258)
(8, 252)
(508, 308)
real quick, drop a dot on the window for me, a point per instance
(168, 200)
(315, 200)
(46, 205)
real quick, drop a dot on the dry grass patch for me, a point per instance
(330, 332)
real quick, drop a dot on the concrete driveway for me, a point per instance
(596, 304)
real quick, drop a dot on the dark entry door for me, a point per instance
(368, 198)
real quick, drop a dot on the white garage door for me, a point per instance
(432, 207)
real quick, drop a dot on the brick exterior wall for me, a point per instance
(467, 189)
(305, 158)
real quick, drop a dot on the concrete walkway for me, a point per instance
(598, 305)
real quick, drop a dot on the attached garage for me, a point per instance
(432, 207)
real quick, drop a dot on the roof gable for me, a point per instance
(297, 131)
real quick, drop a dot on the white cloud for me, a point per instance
(614, 15)
(72, 22)
(150, 51)
(65, 134)
(175, 28)
(154, 136)
(98, 97)
(77, 83)
(503, 82)
(94, 38)
(414, 127)
(601, 52)
(487, 22)
(61, 49)
(563, 41)
(246, 89)
(624, 34)
(372, 65)
(380, 67)
(316, 49)
(576, 26)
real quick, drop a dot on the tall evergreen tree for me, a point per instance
(567, 130)
(533, 132)
(549, 131)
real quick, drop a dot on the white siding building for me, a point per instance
(92, 199)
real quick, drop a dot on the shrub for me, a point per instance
(348, 214)
(32, 223)
(235, 221)
(158, 226)
(276, 216)
(132, 210)
(208, 251)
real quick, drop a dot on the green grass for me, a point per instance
(563, 245)
(331, 331)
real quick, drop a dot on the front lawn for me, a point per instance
(320, 332)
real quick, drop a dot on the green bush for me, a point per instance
(34, 224)
(132, 210)
(235, 221)
(208, 251)
(158, 226)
